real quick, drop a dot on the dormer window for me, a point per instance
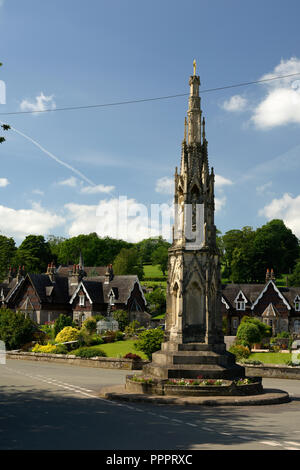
(297, 303)
(240, 305)
(81, 300)
(240, 301)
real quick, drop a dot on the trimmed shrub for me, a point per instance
(90, 325)
(149, 341)
(248, 334)
(88, 352)
(240, 351)
(67, 334)
(110, 336)
(132, 329)
(61, 322)
(136, 357)
(16, 330)
(50, 348)
(119, 336)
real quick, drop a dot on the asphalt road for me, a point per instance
(47, 406)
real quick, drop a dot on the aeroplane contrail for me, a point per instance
(61, 162)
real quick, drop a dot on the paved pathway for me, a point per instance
(55, 406)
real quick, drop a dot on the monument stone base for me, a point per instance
(193, 360)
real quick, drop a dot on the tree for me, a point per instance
(276, 247)
(15, 329)
(294, 278)
(96, 251)
(128, 262)
(121, 316)
(157, 299)
(149, 341)
(265, 330)
(147, 246)
(7, 253)
(34, 253)
(248, 334)
(160, 257)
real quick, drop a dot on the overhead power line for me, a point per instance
(119, 103)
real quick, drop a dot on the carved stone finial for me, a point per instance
(194, 65)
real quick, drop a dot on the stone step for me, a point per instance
(193, 371)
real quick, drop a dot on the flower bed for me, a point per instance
(194, 387)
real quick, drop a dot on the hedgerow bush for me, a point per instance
(16, 329)
(149, 341)
(67, 334)
(90, 325)
(240, 351)
(88, 352)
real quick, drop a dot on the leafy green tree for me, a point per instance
(34, 253)
(147, 246)
(160, 257)
(15, 329)
(128, 262)
(149, 341)
(157, 298)
(294, 278)
(248, 334)
(121, 316)
(7, 252)
(265, 330)
(96, 251)
(276, 247)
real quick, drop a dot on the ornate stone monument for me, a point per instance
(194, 342)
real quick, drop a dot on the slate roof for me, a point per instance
(89, 271)
(98, 291)
(252, 292)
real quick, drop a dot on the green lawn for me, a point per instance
(120, 348)
(271, 358)
(153, 271)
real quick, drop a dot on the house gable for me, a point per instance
(271, 295)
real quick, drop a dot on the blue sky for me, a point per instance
(70, 53)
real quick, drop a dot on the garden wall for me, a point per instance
(272, 371)
(101, 362)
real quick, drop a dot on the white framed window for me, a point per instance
(240, 305)
(297, 326)
(81, 300)
(297, 303)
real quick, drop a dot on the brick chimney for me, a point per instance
(109, 275)
(268, 277)
(51, 271)
(75, 275)
(272, 275)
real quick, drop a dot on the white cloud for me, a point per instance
(264, 188)
(221, 181)
(220, 203)
(281, 105)
(3, 182)
(100, 188)
(21, 222)
(165, 185)
(120, 218)
(236, 103)
(72, 182)
(287, 208)
(38, 191)
(41, 103)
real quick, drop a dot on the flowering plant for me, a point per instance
(245, 381)
(198, 381)
(145, 380)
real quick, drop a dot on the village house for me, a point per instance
(75, 291)
(279, 307)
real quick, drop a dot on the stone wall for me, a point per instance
(272, 371)
(101, 362)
